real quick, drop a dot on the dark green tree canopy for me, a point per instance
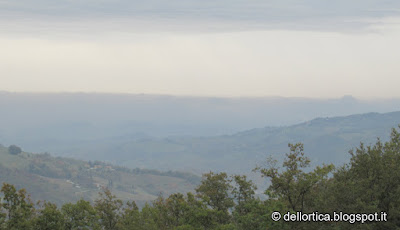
(13, 149)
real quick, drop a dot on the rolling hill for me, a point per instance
(62, 180)
(326, 140)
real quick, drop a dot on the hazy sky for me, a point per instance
(287, 48)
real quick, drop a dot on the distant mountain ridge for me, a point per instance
(190, 133)
(39, 120)
(60, 180)
(326, 140)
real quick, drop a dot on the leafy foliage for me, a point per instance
(81, 215)
(17, 206)
(294, 185)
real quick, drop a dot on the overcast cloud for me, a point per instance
(222, 48)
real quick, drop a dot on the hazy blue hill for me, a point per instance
(326, 140)
(189, 133)
(62, 123)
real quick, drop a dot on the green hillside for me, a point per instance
(62, 180)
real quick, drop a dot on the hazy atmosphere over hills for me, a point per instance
(189, 134)
(199, 133)
(92, 116)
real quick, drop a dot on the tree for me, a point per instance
(14, 150)
(244, 190)
(370, 182)
(177, 209)
(292, 184)
(253, 214)
(80, 216)
(147, 221)
(130, 218)
(18, 207)
(108, 208)
(49, 218)
(160, 214)
(199, 216)
(171, 212)
(2, 217)
(214, 190)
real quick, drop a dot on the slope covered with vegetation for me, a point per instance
(62, 180)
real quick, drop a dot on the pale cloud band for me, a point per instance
(200, 57)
